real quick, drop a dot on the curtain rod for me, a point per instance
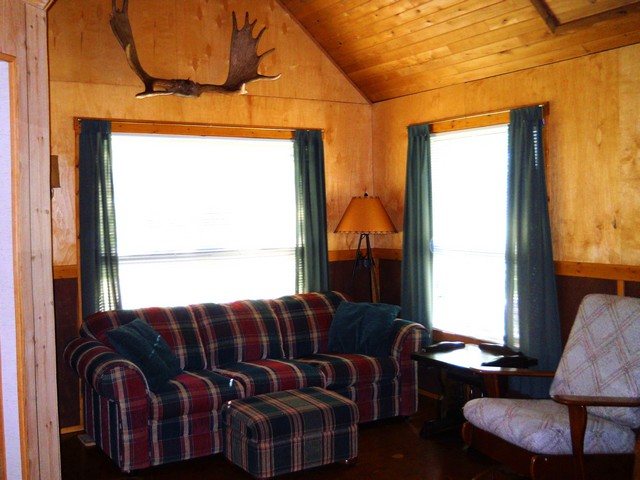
(544, 105)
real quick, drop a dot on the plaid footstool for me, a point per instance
(283, 432)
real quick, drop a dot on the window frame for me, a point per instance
(483, 119)
(166, 128)
(457, 124)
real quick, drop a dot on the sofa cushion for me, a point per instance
(177, 326)
(239, 331)
(362, 328)
(305, 320)
(138, 342)
(193, 392)
(542, 426)
(346, 369)
(265, 376)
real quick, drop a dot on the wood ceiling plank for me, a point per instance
(501, 45)
(333, 12)
(391, 15)
(471, 23)
(544, 53)
(468, 38)
(412, 27)
(300, 8)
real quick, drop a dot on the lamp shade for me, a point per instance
(365, 215)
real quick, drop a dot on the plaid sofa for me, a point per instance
(228, 351)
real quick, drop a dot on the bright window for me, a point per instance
(469, 188)
(203, 219)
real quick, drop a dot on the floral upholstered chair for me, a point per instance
(594, 411)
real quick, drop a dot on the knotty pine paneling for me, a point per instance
(91, 78)
(593, 145)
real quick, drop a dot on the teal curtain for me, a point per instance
(417, 256)
(312, 259)
(98, 250)
(532, 318)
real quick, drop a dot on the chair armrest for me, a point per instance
(408, 337)
(590, 401)
(577, 405)
(111, 375)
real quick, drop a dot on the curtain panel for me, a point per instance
(99, 259)
(532, 318)
(312, 258)
(417, 257)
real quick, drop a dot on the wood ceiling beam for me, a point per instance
(547, 15)
(598, 17)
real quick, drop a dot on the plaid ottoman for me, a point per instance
(288, 431)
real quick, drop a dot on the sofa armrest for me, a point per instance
(108, 373)
(408, 337)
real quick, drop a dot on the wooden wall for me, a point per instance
(593, 140)
(32, 449)
(190, 39)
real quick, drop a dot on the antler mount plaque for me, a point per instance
(243, 60)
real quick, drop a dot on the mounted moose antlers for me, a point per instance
(243, 60)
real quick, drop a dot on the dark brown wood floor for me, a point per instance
(388, 449)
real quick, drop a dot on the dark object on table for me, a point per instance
(512, 361)
(443, 347)
(497, 349)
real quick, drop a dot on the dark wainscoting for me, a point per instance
(390, 280)
(341, 279)
(571, 291)
(65, 292)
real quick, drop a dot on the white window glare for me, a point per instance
(203, 219)
(469, 191)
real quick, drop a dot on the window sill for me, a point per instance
(442, 336)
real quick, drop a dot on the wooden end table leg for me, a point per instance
(492, 385)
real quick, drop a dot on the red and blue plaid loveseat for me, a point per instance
(228, 351)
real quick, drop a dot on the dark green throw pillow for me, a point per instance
(362, 328)
(138, 342)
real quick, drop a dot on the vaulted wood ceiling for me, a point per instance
(391, 48)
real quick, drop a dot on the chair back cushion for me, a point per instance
(176, 325)
(305, 320)
(602, 355)
(240, 331)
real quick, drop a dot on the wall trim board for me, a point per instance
(65, 271)
(624, 273)
(120, 125)
(476, 121)
(478, 116)
(628, 273)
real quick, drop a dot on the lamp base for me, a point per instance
(366, 261)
